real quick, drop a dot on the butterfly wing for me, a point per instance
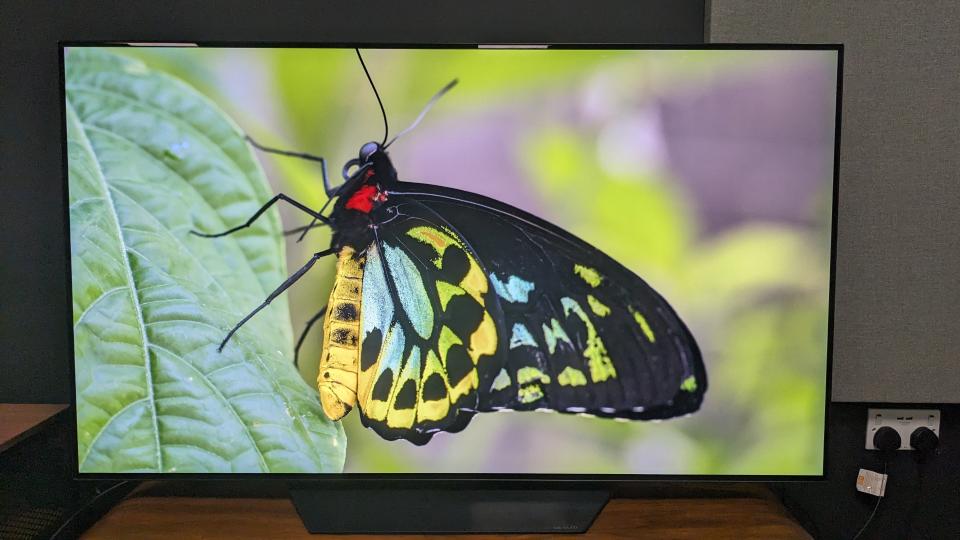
(429, 334)
(579, 332)
(470, 305)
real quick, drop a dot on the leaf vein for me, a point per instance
(94, 303)
(223, 399)
(106, 425)
(85, 142)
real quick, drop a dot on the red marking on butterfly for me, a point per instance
(362, 200)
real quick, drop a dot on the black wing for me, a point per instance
(577, 331)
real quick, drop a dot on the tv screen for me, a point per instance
(475, 261)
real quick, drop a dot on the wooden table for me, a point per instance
(146, 515)
(20, 420)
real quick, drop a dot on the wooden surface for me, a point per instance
(19, 420)
(147, 517)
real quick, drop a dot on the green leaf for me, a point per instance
(149, 160)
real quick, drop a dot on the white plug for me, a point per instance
(872, 482)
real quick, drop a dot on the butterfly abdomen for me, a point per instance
(337, 377)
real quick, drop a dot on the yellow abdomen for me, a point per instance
(340, 359)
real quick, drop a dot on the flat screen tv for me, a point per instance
(411, 264)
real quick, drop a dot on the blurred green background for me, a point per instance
(709, 173)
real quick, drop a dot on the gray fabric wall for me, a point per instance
(897, 318)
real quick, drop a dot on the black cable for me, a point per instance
(85, 506)
(912, 513)
(875, 507)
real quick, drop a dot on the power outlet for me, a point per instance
(905, 421)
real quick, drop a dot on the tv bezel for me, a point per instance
(440, 480)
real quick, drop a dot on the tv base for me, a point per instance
(446, 510)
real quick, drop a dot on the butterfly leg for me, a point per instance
(264, 208)
(298, 230)
(302, 155)
(279, 290)
(327, 188)
(303, 336)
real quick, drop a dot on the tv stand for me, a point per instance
(261, 508)
(462, 509)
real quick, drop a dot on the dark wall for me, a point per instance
(33, 295)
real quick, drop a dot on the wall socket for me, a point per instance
(902, 420)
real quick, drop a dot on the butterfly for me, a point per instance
(447, 303)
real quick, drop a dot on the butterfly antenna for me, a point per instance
(386, 127)
(436, 97)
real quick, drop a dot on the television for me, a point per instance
(481, 265)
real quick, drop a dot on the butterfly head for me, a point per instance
(373, 157)
(371, 163)
(368, 150)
